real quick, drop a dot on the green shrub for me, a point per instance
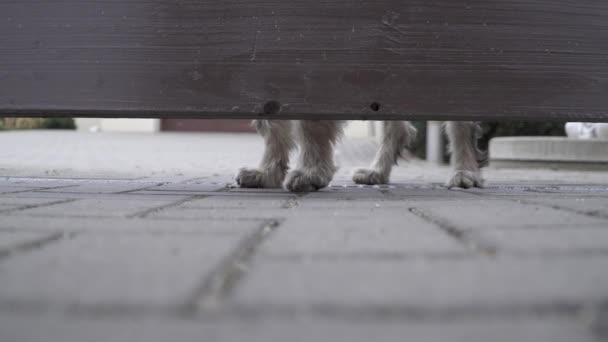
(37, 123)
(59, 123)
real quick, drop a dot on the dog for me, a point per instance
(315, 167)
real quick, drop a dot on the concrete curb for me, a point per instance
(549, 152)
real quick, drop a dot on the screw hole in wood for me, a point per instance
(272, 107)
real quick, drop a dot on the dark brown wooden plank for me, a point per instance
(440, 59)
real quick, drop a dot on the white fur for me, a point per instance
(315, 168)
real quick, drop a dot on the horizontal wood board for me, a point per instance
(305, 59)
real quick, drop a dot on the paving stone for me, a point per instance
(347, 263)
(384, 234)
(230, 207)
(189, 187)
(36, 183)
(114, 270)
(102, 187)
(540, 191)
(9, 240)
(590, 205)
(13, 189)
(237, 202)
(575, 240)
(122, 225)
(427, 283)
(288, 210)
(116, 197)
(268, 193)
(298, 208)
(58, 329)
(320, 204)
(203, 214)
(71, 185)
(25, 203)
(99, 207)
(348, 193)
(482, 214)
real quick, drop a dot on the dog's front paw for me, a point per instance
(465, 179)
(254, 178)
(369, 177)
(250, 178)
(301, 181)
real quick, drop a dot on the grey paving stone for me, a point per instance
(99, 207)
(117, 197)
(296, 207)
(231, 207)
(492, 213)
(237, 202)
(590, 205)
(13, 201)
(59, 183)
(101, 187)
(36, 183)
(268, 193)
(549, 240)
(347, 261)
(376, 234)
(440, 193)
(286, 211)
(10, 240)
(320, 204)
(116, 225)
(189, 187)
(114, 270)
(18, 328)
(424, 283)
(204, 214)
(77, 185)
(348, 193)
(13, 189)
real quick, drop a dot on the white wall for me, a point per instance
(88, 124)
(361, 129)
(354, 129)
(130, 125)
(118, 125)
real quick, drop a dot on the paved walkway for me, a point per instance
(139, 238)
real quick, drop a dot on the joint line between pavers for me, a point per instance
(456, 233)
(140, 189)
(33, 206)
(408, 313)
(222, 281)
(586, 312)
(33, 244)
(37, 189)
(596, 214)
(145, 213)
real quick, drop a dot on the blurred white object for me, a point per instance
(587, 130)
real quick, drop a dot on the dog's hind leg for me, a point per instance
(466, 158)
(278, 140)
(397, 135)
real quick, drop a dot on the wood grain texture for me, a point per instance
(439, 59)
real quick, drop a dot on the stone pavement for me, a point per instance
(142, 238)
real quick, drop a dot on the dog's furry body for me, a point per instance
(315, 168)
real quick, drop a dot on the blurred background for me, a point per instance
(355, 129)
